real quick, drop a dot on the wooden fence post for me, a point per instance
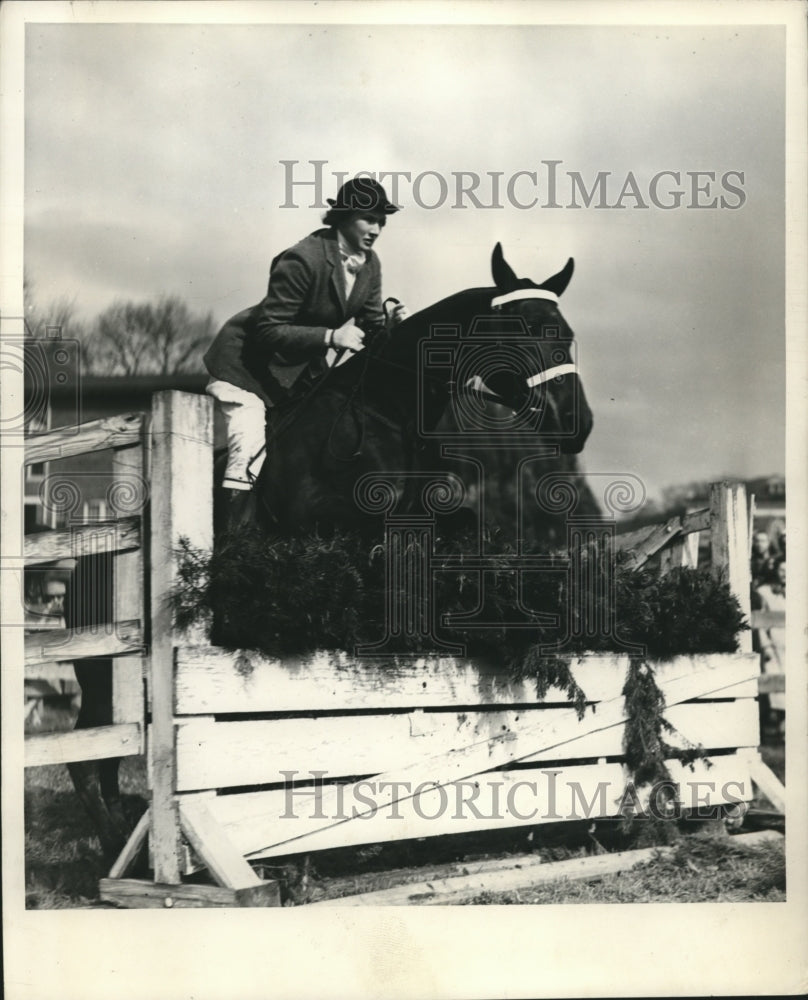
(729, 531)
(181, 506)
(683, 553)
(752, 503)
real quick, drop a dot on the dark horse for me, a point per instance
(382, 410)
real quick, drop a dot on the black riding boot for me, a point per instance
(240, 509)
(233, 510)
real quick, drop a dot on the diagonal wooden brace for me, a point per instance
(767, 781)
(127, 856)
(214, 847)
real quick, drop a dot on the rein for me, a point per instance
(295, 409)
(296, 406)
(360, 420)
(358, 388)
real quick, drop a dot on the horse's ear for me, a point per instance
(559, 281)
(504, 278)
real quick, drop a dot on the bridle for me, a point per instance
(569, 368)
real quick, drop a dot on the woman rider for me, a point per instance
(324, 297)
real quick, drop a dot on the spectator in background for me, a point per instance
(777, 531)
(45, 588)
(771, 596)
(762, 562)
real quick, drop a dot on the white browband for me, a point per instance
(523, 293)
(547, 374)
(477, 384)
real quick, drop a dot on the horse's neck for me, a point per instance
(457, 309)
(386, 376)
(402, 347)
(398, 366)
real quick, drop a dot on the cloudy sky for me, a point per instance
(153, 164)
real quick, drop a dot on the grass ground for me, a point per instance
(64, 860)
(702, 870)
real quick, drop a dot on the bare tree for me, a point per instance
(163, 337)
(56, 318)
(137, 338)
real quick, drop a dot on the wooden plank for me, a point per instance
(457, 765)
(743, 664)
(767, 781)
(214, 754)
(142, 895)
(82, 744)
(645, 542)
(468, 761)
(526, 872)
(523, 873)
(96, 435)
(208, 839)
(682, 552)
(128, 701)
(211, 680)
(730, 546)
(181, 453)
(312, 819)
(124, 536)
(696, 520)
(671, 557)
(65, 644)
(59, 675)
(132, 847)
(690, 556)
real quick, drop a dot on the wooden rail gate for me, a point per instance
(251, 758)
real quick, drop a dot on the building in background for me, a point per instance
(70, 402)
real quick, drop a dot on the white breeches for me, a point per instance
(245, 420)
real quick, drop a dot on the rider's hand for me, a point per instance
(398, 313)
(348, 337)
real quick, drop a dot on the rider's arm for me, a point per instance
(277, 336)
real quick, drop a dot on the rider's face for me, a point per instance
(360, 232)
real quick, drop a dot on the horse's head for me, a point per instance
(553, 391)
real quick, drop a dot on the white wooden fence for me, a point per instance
(379, 749)
(123, 639)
